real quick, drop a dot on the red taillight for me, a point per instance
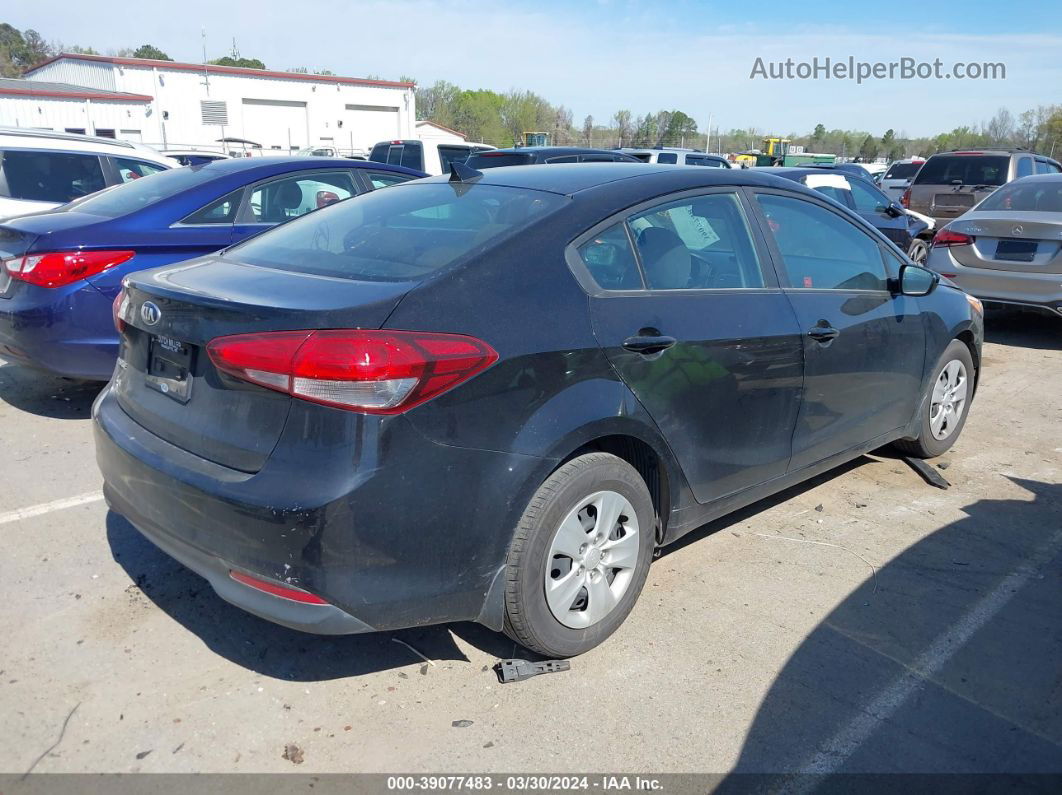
(276, 589)
(946, 238)
(116, 311)
(905, 200)
(60, 268)
(377, 372)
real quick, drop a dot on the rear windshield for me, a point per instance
(902, 170)
(404, 153)
(139, 193)
(482, 160)
(400, 234)
(1027, 196)
(967, 169)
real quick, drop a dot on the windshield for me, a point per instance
(481, 160)
(139, 193)
(1033, 197)
(964, 170)
(403, 233)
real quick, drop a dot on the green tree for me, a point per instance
(818, 137)
(247, 63)
(150, 51)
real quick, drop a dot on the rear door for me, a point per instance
(864, 347)
(686, 306)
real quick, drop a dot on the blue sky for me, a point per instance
(643, 55)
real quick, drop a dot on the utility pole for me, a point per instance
(708, 137)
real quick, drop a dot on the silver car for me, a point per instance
(1008, 248)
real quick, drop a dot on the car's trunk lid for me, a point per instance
(1006, 240)
(165, 379)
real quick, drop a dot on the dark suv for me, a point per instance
(533, 155)
(950, 183)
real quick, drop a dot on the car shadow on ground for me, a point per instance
(946, 661)
(46, 395)
(1022, 329)
(273, 650)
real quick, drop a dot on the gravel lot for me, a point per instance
(917, 629)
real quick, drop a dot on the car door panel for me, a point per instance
(864, 345)
(719, 369)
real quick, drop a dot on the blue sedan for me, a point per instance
(61, 270)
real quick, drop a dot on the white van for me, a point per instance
(427, 156)
(677, 156)
(40, 169)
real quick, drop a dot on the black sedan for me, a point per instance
(491, 397)
(860, 195)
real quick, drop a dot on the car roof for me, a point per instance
(571, 178)
(234, 165)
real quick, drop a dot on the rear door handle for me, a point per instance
(823, 333)
(647, 344)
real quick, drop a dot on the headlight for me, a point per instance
(975, 304)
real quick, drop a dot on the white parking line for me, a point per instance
(846, 742)
(48, 507)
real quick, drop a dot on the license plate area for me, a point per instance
(169, 368)
(1016, 250)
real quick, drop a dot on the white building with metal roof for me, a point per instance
(171, 104)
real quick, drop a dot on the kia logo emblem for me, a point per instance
(1017, 231)
(150, 313)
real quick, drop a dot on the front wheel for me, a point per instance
(579, 557)
(945, 407)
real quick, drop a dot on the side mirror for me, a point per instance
(917, 281)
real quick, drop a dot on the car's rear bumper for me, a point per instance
(1020, 288)
(414, 534)
(64, 331)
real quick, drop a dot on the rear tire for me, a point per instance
(579, 557)
(945, 405)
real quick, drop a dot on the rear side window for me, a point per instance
(697, 243)
(820, 249)
(701, 160)
(1046, 167)
(902, 170)
(1038, 196)
(964, 170)
(401, 234)
(667, 157)
(128, 170)
(609, 259)
(222, 211)
(1025, 166)
(564, 159)
(51, 176)
(381, 179)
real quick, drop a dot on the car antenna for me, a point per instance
(459, 172)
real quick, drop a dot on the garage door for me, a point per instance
(276, 124)
(368, 124)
